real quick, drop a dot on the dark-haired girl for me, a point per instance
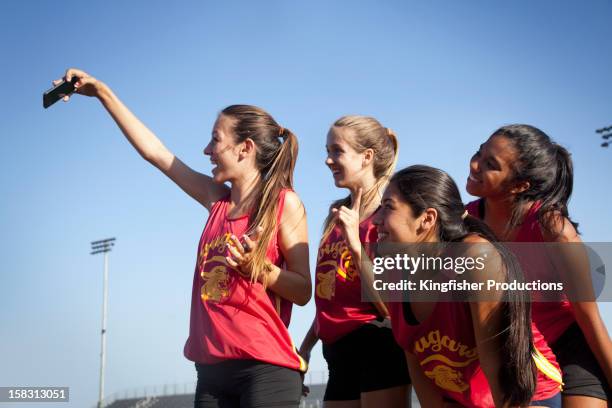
(525, 181)
(252, 259)
(366, 367)
(480, 353)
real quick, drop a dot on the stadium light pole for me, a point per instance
(103, 246)
(606, 133)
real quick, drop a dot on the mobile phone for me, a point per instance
(58, 92)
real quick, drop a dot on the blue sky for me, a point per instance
(442, 74)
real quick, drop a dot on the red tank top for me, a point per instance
(232, 318)
(551, 318)
(445, 346)
(338, 286)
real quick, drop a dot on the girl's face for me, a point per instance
(491, 174)
(346, 164)
(395, 221)
(223, 150)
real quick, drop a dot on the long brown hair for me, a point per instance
(547, 166)
(276, 154)
(368, 133)
(423, 187)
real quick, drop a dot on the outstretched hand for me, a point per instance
(348, 220)
(85, 85)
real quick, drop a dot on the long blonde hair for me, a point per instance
(368, 133)
(276, 154)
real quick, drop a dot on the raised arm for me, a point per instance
(348, 219)
(198, 186)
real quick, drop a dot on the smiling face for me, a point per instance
(223, 150)
(491, 174)
(346, 164)
(395, 220)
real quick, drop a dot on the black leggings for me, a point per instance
(247, 384)
(582, 374)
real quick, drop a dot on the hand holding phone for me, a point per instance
(56, 93)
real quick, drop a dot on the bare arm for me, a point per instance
(198, 186)
(348, 219)
(571, 261)
(310, 340)
(486, 318)
(429, 395)
(486, 311)
(294, 282)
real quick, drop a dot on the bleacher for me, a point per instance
(182, 395)
(162, 401)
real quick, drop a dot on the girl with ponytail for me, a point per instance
(252, 259)
(366, 367)
(481, 353)
(524, 181)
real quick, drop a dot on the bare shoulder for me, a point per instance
(479, 247)
(475, 239)
(293, 206)
(557, 228)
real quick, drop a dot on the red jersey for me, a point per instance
(231, 317)
(338, 286)
(445, 346)
(551, 318)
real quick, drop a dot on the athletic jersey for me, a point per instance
(231, 317)
(445, 346)
(338, 286)
(551, 318)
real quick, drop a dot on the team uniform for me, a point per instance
(238, 334)
(582, 374)
(358, 344)
(445, 346)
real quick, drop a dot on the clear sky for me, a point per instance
(442, 74)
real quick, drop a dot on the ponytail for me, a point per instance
(556, 201)
(547, 167)
(277, 150)
(278, 177)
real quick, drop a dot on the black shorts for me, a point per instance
(367, 359)
(582, 374)
(246, 384)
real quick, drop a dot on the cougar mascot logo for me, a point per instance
(447, 378)
(326, 281)
(216, 281)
